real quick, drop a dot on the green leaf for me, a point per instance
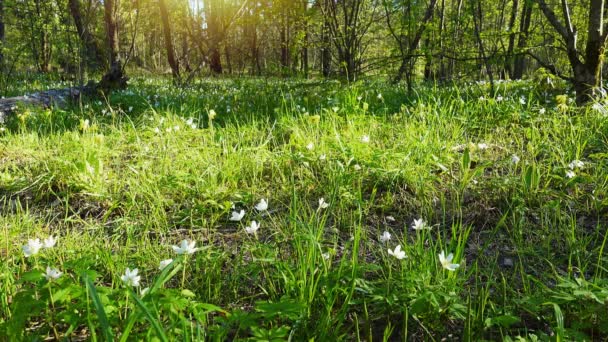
(155, 324)
(101, 314)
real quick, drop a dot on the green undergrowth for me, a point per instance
(513, 184)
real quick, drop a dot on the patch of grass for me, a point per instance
(121, 180)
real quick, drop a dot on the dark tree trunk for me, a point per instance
(284, 44)
(185, 53)
(1, 34)
(306, 37)
(228, 58)
(215, 59)
(477, 21)
(93, 53)
(511, 46)
(326, 45)
(524, 27)
(173, 62)
(255, 52)
(114, 78)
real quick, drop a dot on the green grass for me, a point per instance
(119, 189)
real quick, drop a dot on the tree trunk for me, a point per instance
(306, 37)
(326, 43)
(524, 26)
(94, 56)
(114, 78)
(215, 59)
(586, 75)
(477, 25)
(173, 62)
(284, 44)
(511, 46)
(1, 34)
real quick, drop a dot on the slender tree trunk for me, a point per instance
(524, 26)
(326, 43)
(1, 34)
(478, 20)
(284, 43)
(185, 53)
(228, 58)
(306, 37)
(509, 62)
(173, 62)
(441, 44)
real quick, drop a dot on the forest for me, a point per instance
(303, 170)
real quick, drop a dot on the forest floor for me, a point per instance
(514, 185)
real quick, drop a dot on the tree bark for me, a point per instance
(524, 27)
(114, 77)
(326, 43)
(586, 75)
(509, 62)
(1, 34)
(173, 62)
(94, 55)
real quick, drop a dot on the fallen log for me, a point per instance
(44, 99)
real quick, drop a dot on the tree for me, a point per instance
(173, 62)
(586, 72)
(524, 27)
(348, 25)
(1, 34)
(407, 39)
(93, 53)
(114, 78)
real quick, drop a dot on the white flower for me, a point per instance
(499, 98)
(185, 247)
(515, 159)
(325, 256)
(263, 205)
(323, 204)
(156, 130)
(390, 219)
(576, 164)
(419, 224)
(52, 274)
(130, 278)
(164, 263)
(482, 146)
(32, 248)
(446, 262)
(322, 157)
(252, 228)
(542, 111)
(397, 253)
(357, 167)
(570, 174)
(237, 216)
(310, 146)
(130, 109)
(49, 242)
(212, 114)
(385, 237)
(522, 100)
(379, 96)
(365, 139)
